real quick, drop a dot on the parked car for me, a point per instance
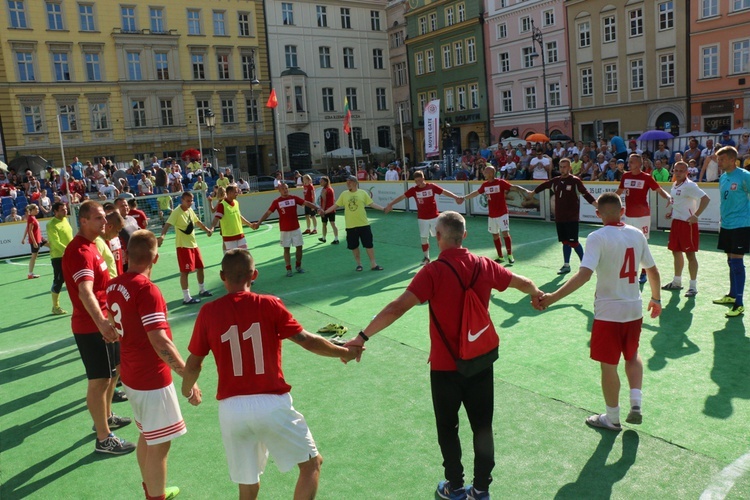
(265, 183)
(430, 172)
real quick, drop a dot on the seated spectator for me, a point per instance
(175, 179)
(609, 171)
(243, 186)
(577, 164)
(660, 174)
(509, 170)
(108, 191)
(633, 148)
(620, 170)
(648, 165)
(194, 168)
(13, 216)
(693, 171)
(662, 153)
(145, 185)
(540, 166)
(165, 206)
(199, 184)
(45, 206)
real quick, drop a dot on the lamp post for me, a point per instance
(210, 119)
(538, 38)
(254, 84)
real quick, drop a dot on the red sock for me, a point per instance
(425, 247)
(508, 245)
(498, 247)
(289, 267)
(299, 263)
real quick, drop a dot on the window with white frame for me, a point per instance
(635, 17)
(710, 61)
(380, 99)
(433, 21)
(194, 21)
(636, 74)
(666, 15)
(54, 16)
(448, 96)
(68, 117)
(324, 54)
(86, 16)
(609, 31)
(740, 56)
(530, 97)
(251, 109)
(375, 20)
(610, 78)
(433, 95)
(290, 56)
(328, 104)
(551, 52)
(351, 96)
(25, 65)
(422, 100)
(134, 65)
(247, 63)
(161, 59)
(554, 96)
(709, 8)
(222, 66)
(584, 34)
(156, 18)
(740, 5)
(127, 15)
(501, 31)
(525, 24)
(321, 12)
(243, 24)
(471, 50)
(474, 95)
(202, 107)
(461, 93)
(377, 58)
(92, 61)
(399, 74)
(419, 62)
(349, 58)
(346, 18)
(397, 39)
(548, 17)
(506, 97)
(227, 110)
(61, 64)
(167, 112)
(450, 17)
(33, 119)
(430, 57)
(17, 11)
(138, 108)
(198, 62)
(287, 13)
(422, 25)
(447, 58)
(666, 69)
(299, 99)
(587, 82)
(100, 116)
(526, 57)
(503, 62)
(458, 53)
(461, 11)
(220, 23)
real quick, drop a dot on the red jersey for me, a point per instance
(137, 307)
(32, 227)
(244, 331)
(309, 195)
(82, 262)
(425, 198)
(287, 208)
(140, 217)
(636, 193)
(437, 284)
(361, 175)
(330, 200)
(565, 191)
(115, 246)
(495, 191)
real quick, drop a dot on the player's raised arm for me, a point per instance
(323, 347)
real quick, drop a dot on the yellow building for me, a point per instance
(129, 81)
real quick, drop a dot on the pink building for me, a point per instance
(516, 87)
(720, 65)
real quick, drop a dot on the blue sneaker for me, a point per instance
(473, 494)
(445, 491)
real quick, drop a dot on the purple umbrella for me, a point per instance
(655, 135)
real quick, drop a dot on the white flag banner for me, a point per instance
(432, 129)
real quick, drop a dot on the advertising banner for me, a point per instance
(11, 234)
(518, 205)
(709, 220)
(383, 192)
(443, 202)
(588, 212)
(432, 129)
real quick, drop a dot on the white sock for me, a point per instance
(186, 295)
(636, 397)
(694, 285)
(202, 287)
(677, 280)
(613, 414)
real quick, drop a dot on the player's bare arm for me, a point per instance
(574, 283)
(654, 305)
(376, 207)
(385, 318)
(322, 347)
(164, 230)
(86, 294)
(525, 285)
(705, 200)
(456, 198)
(190, 373)
(168, 353)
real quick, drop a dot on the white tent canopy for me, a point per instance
(377, 150)
(344, 153)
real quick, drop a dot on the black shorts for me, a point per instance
(735, 241)
(57, 275)
(99, 358)
(356, 234)
(328, 217)
(35, 249)
(567, 231)
(310, 211)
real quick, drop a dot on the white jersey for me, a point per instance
(686, 198)
(617, 253)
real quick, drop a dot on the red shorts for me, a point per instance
(610, 339)
(189, 259)
(683, 237)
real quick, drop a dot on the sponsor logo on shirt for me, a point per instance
(287, 203)
(733, 187)
(635, 183)
(424, 194)
(492, 189)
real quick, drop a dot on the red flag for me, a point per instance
(347, 117)
(272, 101)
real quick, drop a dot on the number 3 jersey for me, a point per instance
(617, 252)
(136, 305)
(244, 331)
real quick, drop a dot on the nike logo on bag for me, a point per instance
(472, 338)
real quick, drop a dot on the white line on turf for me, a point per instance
(10, 261)
(724, 481)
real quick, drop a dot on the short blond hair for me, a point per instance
(142, 247)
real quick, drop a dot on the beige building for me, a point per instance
(399, 64)
(628, 71)
(136, 79)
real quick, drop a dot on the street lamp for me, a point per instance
(210, 119)
(253, 84)
(537, 37)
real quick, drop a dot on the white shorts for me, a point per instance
(427, 227)
(254, 426)
(496, 225)
(157, 413)
(231, 244)
(642, 223)
(291, 238)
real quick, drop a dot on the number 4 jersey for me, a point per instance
(136, 306)
(244, 331)
(617, 252)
